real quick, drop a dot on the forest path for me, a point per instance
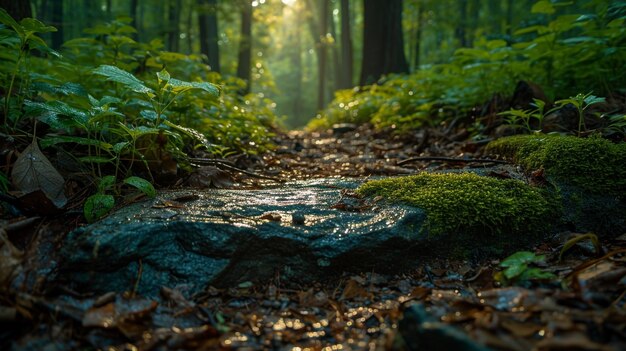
(359, 151)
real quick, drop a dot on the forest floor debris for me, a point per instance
(582, 308)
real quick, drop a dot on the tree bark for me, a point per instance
(321, 64)
(495, 13)
(133, 14)
(207, 21)
(383, 47)
(244, 62)
(297, 63)
(509, 18)
(461, 29)
(418, 37)
(173, 33)
(56, 17)
(346, 46)
(335, 74)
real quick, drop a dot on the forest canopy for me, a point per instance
(300, 52)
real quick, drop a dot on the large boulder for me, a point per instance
(300, 231)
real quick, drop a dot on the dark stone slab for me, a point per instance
(226, 237)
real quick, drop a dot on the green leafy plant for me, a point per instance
(561, 53)
(519, 270)
(25, 31)
(581, 102)
(523, 118)
(98, 205)
(578, 238)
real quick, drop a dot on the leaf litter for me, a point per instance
(581, 308)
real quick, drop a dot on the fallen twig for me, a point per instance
(229, 166)
(449, 159)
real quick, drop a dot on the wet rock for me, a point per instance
(420, 330)
(223, 239)
(341, 128)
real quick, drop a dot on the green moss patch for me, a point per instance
(469, 203)
(593, 164)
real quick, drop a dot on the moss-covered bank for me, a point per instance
(594, 164)
(470, 203)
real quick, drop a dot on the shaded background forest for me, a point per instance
(300, 52)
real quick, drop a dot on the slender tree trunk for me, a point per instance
(509, 18)
(495, 13)
(245, 46)
(336, 71)
(18, 9)
(346, 46)
(207, 21)
(461, 29)
(383, 43)
(133, 14)
(190, 30)
(297, 63)
(321, 87)
(473, 20)
(109, 5)
(417, 38)
(173, 34)
(57, 21)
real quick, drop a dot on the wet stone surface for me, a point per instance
(300, 231)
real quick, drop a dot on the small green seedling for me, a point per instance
(578, 238)
(519, 271)
(98, 205)
(581, 102)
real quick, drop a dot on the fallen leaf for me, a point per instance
(32, 171)
(10, 260)
(209, 176)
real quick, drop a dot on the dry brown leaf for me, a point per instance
(209, 176)
(10, 260)
(32, 171)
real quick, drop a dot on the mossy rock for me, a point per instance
(466, 203)
(594, 165)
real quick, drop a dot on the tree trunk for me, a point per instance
(461, 29)
(418, 37)
(509, 18)
(17, 9)
(245, 46)
(57, 21)
(473, 20)
(133, 14)
(173, 33)
(321, 63)
(346, 46)
(495, 13)
(383, 42)
(207, 21)
(335, 75)
(297, 64)
(109, 10)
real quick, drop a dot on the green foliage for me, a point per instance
(469, 202)
(15, 53)
(142, 185)
(581, 102)
(523, 118)
(593, 164)
(578, 238)
(98, 205)
(115, 105)
(519, 271)
(564, 54)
